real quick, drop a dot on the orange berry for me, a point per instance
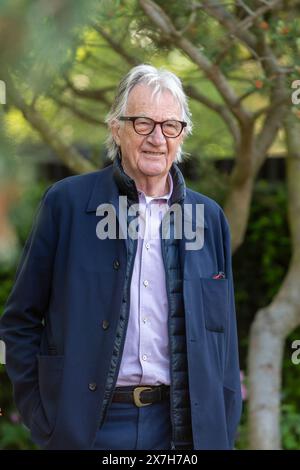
(285, 30)
(264, 25)
(258, 84)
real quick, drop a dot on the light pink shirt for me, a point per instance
(145, 357)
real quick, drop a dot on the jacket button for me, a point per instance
(105, 324)
(92, 387)
(116, 264)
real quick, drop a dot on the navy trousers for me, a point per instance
(128, 427)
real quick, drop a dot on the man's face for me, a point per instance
(151, 155)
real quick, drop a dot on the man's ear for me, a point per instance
(115, 127)
(182, 138)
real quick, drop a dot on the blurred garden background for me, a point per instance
(239, 62)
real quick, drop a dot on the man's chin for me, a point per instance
(152, 168)
(152, 172)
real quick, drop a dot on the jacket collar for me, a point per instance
(127, 186)
(104, 190)
(107, 188)
(179, 195)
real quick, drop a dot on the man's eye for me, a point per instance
(171, 125)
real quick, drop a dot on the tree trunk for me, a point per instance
(238, 200)
(274, 323)
(237, 208)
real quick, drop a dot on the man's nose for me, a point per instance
(156, 137)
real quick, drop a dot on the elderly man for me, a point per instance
(126, 339)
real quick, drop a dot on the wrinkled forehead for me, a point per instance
(146, 100)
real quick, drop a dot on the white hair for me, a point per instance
(160, 80)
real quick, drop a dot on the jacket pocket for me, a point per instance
(50, 372)
(215, 303)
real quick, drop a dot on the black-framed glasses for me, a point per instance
(144, 125)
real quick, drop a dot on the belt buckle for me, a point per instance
(136, 396)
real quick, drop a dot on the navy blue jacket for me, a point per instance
(62, 315)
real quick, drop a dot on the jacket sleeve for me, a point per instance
(21, 325)
(232, 383)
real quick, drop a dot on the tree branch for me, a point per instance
(266, 136)
(285, 99)
(78, 112)
(236, 28)
(73, 159)
(221, 110)
(116, 46)
(275, 115)
(250, 20)
(94, 95)
(212, 72)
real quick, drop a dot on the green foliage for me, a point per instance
(206, 179)
(268, 235)
(290, 376)
(241, 442)
(290, 426)
(263, 257)
(13, 434)
(22, 215)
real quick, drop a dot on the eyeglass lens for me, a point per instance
(145, 126)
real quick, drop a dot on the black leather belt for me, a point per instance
(143, 395)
